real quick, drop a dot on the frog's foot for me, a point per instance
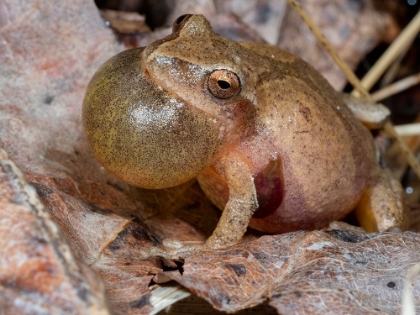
(370, 114)
(382, 206)
(174, 249)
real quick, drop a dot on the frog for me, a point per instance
(269, 140)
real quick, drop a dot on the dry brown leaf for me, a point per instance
(320, 272)
(125, 22)
(48, 54)
(38, 273)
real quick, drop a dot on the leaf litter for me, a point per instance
(48, 54)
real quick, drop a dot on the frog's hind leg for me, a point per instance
(382, 205)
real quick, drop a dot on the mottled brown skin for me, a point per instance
(278, 150)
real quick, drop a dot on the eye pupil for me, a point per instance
(223, 84)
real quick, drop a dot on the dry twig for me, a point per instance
(408, 130)
(397, 47)
(396, 87)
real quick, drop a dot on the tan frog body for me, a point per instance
(271, 142)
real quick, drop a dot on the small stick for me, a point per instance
(408, 130)
(351, 77)
(407, 305)
(396, 87)
(397, 47)
(391, 73)
(411, 159)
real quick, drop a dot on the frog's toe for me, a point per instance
(394, 229)
(382, 207)
(174, 249)
(153, 251)
(371, 114)
(177, 244)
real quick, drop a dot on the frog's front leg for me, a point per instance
(236, 215)
(241, 205)
(382, 205)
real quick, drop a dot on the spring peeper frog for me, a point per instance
(271, 143)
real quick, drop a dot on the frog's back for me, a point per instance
(326, 154)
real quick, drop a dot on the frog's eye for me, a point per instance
(180, 22)
(223, 84)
